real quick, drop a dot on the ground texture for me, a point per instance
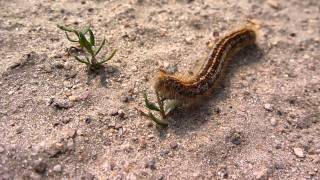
(57, 121)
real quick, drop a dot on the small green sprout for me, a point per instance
(88, 46)
(164, 107)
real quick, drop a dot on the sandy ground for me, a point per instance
(57, 121)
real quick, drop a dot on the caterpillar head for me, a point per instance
(165, 84)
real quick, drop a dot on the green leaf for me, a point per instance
(158, 121)
(102, 44)
(72, 40)
(64, 28)
(80, 60)
(85, 43)
(92, 41)
(110, 57)
(149, 104)
(86, 29)
(88, 60)
(170, 106)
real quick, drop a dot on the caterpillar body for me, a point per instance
(171, 86)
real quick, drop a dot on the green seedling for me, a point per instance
(87, 46)
(163, 107)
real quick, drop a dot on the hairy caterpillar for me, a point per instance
(172, 86)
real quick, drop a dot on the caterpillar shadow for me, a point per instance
(201, 110)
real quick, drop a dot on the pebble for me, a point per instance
(262, 174)
(108, 166)
(70, 133)
(299, 152)
(57, 168)
(273, 3)
(66, 120)
(125, 98)
(70, 145)
(1, 149)
(315, 158)
(87, 176)
(268, 107)
(67, 66)
(273, 121)
(61, 104)
(10, 92)
(142, 143)
(114, 113)
(73, 98)
(121, 113)
(134, 68)
(188, 40)
(71, 74)
(174, 145)
(57, 65)
(40, 166)
(88, 119)
(19, 130)
(223, 173)
(55, 149)
(151, 164)
(235, 138)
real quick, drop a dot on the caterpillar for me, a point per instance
(172, 86)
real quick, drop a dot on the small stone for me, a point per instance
(125, 99)
(273, 3)
(299, 152)
(142, 143)
(61, 104)
(40, 166)
(315, 158)
(88, 119)
(262, 174)
(73, 98)
(1, 149)
(19, 130)
(85, 95)
(121, 113)
(87, 176)
(174, 145)
(55, 149)
(35, 176)
(114, 113)
(273, 122)
(57, 65)
(70, 145)
(235, 138)
(188, 40)
(10, 92)
(134, 69)
(67, 66)
(70, 133)
(223, 173)
(66, 120)
(268, 107)
(71, 74)
(151, 164)
(57, 168)
(108, 166)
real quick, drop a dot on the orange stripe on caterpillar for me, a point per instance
(176, 87)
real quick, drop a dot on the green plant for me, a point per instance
(163, 107)
(87, 46)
